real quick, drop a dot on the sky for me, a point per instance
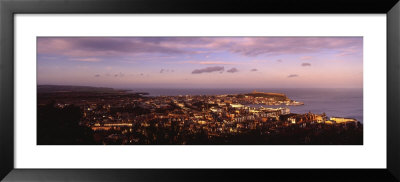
(201, 62)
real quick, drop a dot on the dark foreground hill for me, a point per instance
(69, 88)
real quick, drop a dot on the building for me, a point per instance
(342, 120)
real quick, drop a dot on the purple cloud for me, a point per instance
(209, 62)
(86, 47)
(293, 75)
(208, 70)
(78, 47)
(166, 71)
(295, 45)
(86, 59)
(108, 56)
(119, 75)
(97, 75)
(232, 70)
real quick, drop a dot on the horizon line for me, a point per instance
(204, 87)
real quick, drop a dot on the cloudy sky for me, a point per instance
(201, 62)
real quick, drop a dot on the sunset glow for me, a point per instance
(201, 62)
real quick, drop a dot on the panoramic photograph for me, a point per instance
(200, 90)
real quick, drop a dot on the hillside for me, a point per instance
(276, 96)
(69, 88)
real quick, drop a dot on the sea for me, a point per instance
(334, 102)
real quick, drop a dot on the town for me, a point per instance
(121, 117)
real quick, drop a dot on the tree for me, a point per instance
(60, 126)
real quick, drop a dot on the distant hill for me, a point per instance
(69, 88)
(277, 96)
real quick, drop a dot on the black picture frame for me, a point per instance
(9, 8)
